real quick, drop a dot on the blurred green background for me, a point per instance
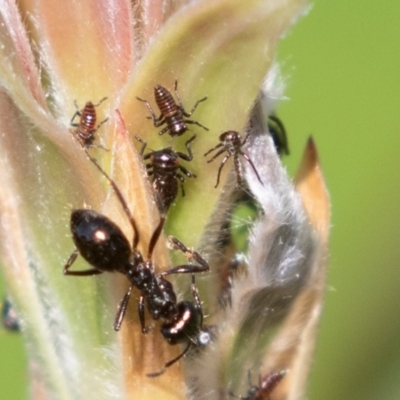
(343, 67)
(342, 64)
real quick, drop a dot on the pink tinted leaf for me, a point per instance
(87, 48)
(19, 72)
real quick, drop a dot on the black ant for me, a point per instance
(265, 386)
(172, 114)
(9, 317)
(86, 128)
(231, 142)
(278, 133)
(104, 246)
(165, 168)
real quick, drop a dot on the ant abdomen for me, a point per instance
(99, 241)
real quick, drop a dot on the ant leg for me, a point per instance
(189, 121)
(196, 297)
(188, 157)
(225, 159)
(122, 309)
(155, 237)
(185, 269)
(71, 260)
(195, 294)
(252, 165)
(144, 144)
(169, 363)
(190, 255)
(142, 315)
(86, 272)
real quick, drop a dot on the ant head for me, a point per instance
(185, 326)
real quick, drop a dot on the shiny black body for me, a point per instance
(165, 170)
(104, 246)
(9, 317)
(278, 132)
(231, 143)
(265, 386)
(86, 128)
(173, 114)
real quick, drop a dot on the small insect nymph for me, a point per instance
(105, 247)
(231, 142)
(165, 169)
(265, 386)
(86, 128)
(173, 114)
(278, 132)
